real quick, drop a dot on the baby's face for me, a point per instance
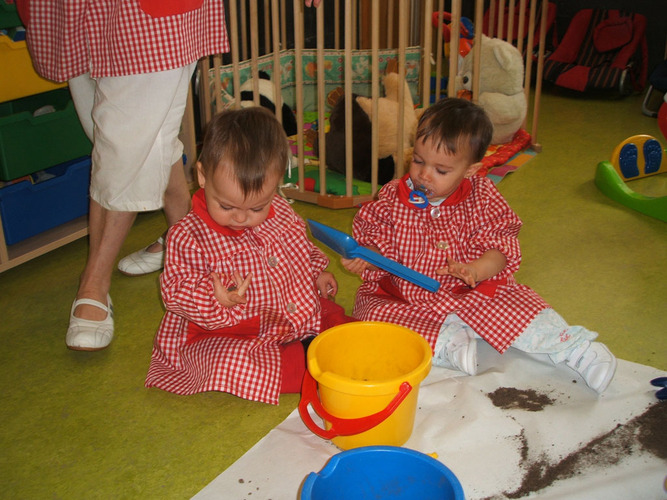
(227, 205)
(437, 173)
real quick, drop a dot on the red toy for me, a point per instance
(467, 31)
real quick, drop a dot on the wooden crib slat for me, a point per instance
(244, 31)
(454, 45)
(254, 52)
(337, 24)
(277, 70)
(283, 24)
(321, 99)
(492, 18)
(390, 24)
(267, 27)
(188, 137)
(477, 49)
(538, 77)
(522, 25)
(353, 15)
(403, 18)
(501, 19)
(234, 28)
(529, 53)
(439, 50)
(348, 98)
(217, 84)
(426, 54)
(204, 91)
(298, 67)
(375, 92)
(510, 21)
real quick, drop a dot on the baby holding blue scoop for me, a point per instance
(442, 220)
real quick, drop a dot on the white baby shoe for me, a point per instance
(459, 352)
(595, 363)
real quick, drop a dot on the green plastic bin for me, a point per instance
(9, 17)
(31, 143)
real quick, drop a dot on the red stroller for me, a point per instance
(601, 50)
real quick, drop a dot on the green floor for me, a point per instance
(81, 425)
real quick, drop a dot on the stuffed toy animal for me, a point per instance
(388, 111)
(267, 100)
(501, 86)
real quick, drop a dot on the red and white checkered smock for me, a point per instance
(472, 220)
(283, 303)
(106, 38)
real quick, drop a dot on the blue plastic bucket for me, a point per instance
(382, 472)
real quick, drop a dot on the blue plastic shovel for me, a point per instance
(347, 246)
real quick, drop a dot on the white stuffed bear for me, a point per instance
(501, 86)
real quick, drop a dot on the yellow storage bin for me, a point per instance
(18, 78)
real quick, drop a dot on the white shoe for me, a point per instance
(88, 335)
(595, 363)
(460, 352)
(142, 261)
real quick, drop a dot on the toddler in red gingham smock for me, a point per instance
(442, 220)
(242, 283)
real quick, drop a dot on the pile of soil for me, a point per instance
(644, 433)
(510, 398)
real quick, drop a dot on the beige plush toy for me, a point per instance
(387, 125)
(388, 113)
(501, 86)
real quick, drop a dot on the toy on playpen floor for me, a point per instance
(611, 176)
(466, 32)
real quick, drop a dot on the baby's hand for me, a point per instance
(356, 266)
(326, 284)
(465, 272)
(229, 297)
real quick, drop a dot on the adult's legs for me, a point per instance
(107, 231)
(127, 177)
(177, 201)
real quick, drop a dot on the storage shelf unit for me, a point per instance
(18, 80)
(23, 251)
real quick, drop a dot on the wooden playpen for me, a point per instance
(405, 27)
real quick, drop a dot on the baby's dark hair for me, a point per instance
(456, 124)
(250, 142)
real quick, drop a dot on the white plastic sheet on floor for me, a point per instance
(575, 445)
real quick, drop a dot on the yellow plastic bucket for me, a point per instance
(363, 380)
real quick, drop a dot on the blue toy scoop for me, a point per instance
(348, 247)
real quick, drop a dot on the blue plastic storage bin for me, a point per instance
(28, 209)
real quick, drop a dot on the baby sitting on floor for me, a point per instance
(442, 220)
